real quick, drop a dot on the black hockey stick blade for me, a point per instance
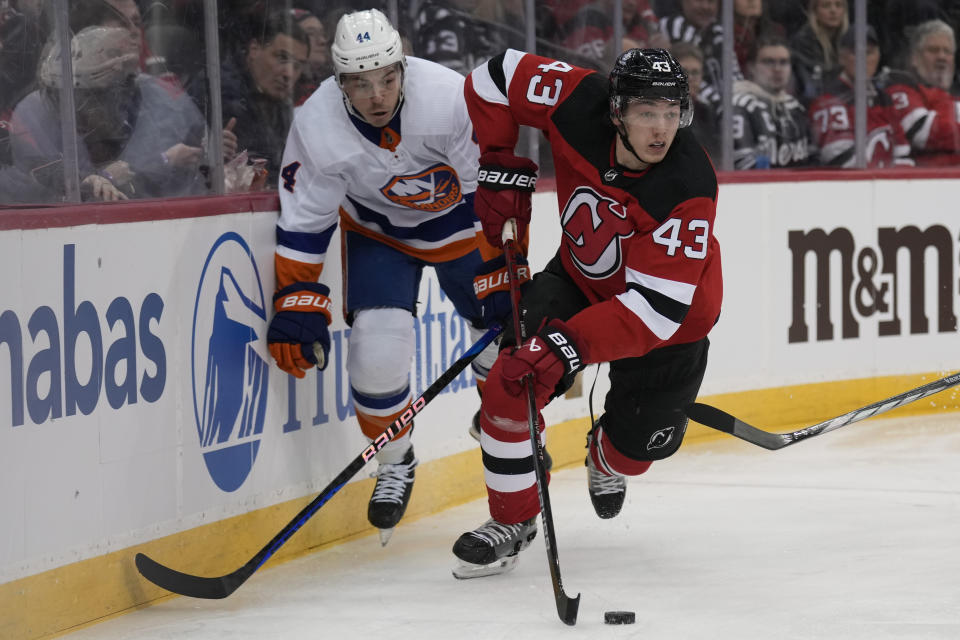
(189, 585)
(714, 418)
(722, 421)
(222, 586)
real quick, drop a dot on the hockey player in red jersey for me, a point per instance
(636, 281)
(923, 99)
(832, 114)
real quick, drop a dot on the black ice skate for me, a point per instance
(606, 492)
(474, 431)
(492, 548)
(391, 495)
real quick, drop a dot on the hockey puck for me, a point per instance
(619, 617)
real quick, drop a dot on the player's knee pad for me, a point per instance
(652, 434)
(381, 349)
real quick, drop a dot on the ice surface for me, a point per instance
(854, 535)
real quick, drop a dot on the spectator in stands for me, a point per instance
(137, 137)
(319, 66)
(588, 30)
(20, 43)
(21, 37)
(750, 21)
(897, 18)
(815, 46)
(792, 14)
(832, 114)
(462, 34)
(706, 126)
(770, 127)
(925, 98)
(697, 23)
(257, 89)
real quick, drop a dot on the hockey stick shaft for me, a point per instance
(722, 421)
(566, 607)
(222, 586)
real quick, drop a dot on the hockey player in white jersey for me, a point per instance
(386, 149)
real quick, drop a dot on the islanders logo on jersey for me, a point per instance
(435, 189)
(229, 364)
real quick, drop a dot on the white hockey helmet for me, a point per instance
(103, 57)
(365, 40)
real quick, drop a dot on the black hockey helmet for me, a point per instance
(652, 74)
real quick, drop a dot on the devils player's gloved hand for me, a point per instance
(298, 336)
(548, 356)
(492, 287)
(504, 185)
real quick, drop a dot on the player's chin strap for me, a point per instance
(622, 132)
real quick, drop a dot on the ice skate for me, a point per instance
(492, 548)
(474, 431)
(391, 495)
(607, 493)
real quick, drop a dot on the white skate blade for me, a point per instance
(467, 570)
(385, 535)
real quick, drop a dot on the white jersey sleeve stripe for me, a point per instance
(679, 291)
(511, 60)
(917, 124)
(660, 325)
(660, 303)
(485, 87)
(300, 256)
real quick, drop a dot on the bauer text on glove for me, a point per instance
(548, 356)
(504, 185)
(492, 287)
(298, 336)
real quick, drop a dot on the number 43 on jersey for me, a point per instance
(668, 234)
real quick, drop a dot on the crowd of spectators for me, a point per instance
(142, 91)
(792, 77)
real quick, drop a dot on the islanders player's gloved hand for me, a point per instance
(504, 185)
(549, 356)
(492, 287)
(298, 336)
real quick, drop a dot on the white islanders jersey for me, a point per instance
(409, 184)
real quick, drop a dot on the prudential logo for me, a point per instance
(230, 366)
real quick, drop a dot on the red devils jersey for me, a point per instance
(832, 123)
(930, 118)
(639, 245)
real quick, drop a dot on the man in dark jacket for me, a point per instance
(257, 88)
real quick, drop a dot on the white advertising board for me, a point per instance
(138, 398)
(835, 280)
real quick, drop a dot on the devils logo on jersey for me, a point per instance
(435, 189)
(595, 225)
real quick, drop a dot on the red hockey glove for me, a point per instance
(504, 185)
(492, 287)
(549, 356)
(298, 337)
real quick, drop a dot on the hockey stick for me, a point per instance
(222, 586)
(723, 421)
(566, 607)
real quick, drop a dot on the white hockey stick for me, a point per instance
(714, 418)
